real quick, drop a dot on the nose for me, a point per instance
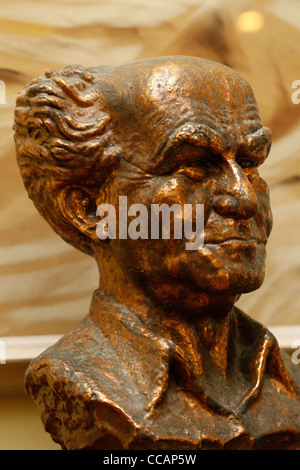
(236, 197)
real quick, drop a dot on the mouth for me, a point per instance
(250, 241)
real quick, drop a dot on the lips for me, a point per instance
(234, 239)
(219, 231)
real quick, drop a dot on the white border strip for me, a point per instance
(26, 348)
(288, 336)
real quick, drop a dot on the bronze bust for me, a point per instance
(163, 360)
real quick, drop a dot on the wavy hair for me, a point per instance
(64, 138)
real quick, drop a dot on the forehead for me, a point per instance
(163, 98)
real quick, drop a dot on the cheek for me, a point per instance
(180, 190)
(170, 190)
(264, 215)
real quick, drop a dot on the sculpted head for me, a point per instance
(173, 130)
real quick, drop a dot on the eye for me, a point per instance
(199, 169)
(194, 172)
(246, 161)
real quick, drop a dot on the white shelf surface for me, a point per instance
(25, 348)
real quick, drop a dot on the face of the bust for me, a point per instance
(200, 142)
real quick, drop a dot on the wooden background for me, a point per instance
(46, 285)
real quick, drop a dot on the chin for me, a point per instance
(231, 282)
(230, 269)
(246, 284)
(218, 269)
(225, 275)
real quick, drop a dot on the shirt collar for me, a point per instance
(146, 358)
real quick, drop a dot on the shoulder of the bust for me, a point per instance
(278, 363)
(57, 367)
(293, 369)
(69, 402)
(44, 372)
(69, 398)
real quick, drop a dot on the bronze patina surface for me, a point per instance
(164, 359)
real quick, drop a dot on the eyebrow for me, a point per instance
(254, 145)
(258, 143)
(200, 136)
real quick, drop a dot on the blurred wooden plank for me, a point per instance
(12, 378)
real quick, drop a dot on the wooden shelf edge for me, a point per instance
(20, 350)
(26, 348)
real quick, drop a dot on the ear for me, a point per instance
(79, 209)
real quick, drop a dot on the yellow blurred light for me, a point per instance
(250, 21)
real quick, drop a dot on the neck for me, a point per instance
(202, 333)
